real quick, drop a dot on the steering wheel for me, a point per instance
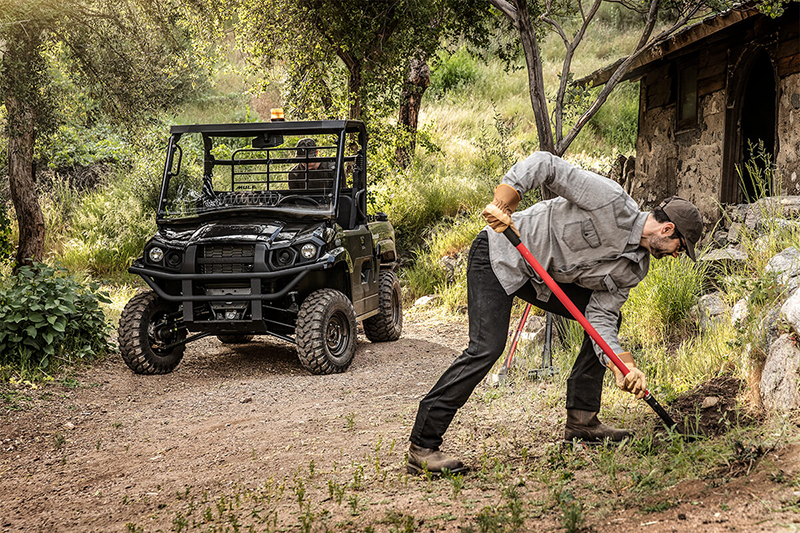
(298, 199)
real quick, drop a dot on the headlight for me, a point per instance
(156, 254)
(308, 251)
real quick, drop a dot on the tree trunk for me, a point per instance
(419, 77)
(354, 88)
(21, 136)
(533, 60)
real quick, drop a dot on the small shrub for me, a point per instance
(46, 317)
(453, 71)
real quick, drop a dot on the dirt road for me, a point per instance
(242, 438)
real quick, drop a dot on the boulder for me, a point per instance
(780, 375)
(710, 310)
(785, 265)
(739, 313)
(790, 311)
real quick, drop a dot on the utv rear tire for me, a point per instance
(235, 339)
(388, 323)
(326, 332)
(146, 325)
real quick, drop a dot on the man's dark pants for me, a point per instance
(489, 316)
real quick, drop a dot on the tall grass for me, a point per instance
(657, 309)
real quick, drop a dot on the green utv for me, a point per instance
(263, 230)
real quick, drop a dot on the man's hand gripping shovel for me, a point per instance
(511, 234)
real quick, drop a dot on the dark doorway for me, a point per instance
(757, 148)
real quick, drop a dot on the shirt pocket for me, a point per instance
(581, 235)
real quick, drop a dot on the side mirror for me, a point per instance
(268, 140)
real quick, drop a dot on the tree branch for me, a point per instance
(623, 69)
(506, 8)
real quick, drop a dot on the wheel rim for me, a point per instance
(395, 307)
(337, 334)
(160, 334)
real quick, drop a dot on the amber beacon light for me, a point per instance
(276, 114)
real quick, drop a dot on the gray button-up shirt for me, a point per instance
(588, 236)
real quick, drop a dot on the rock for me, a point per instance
(739, 313)
(425, 300)
(710, 310)
(780, 375)
(790, 311)
(735, 232)
(785, 265)
(720, 239)
(453, 265)
(709, 402)
(769, 326)
(761, 244)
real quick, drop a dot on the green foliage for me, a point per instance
(417, 200)
(617, 121)
(48, 317)
(452, 72)
(71, 147)
(427, 275)
(658, 307)
(339, 56)
(6, 241)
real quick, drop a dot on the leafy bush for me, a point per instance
(47, 316)
(72, 146)
(453, 71)
(417, 200)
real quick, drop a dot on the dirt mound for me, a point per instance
(710, 408)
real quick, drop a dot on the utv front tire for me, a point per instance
(147, 325)
(326, 332)
(388, 323)
(235, 339)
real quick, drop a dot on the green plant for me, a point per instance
(453, 71)
(6, 241)
(48, 317)
(658, 307)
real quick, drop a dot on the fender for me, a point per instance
(339, 255)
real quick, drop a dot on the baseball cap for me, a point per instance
(687, 220)
(304, 143)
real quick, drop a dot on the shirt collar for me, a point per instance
(638, 227)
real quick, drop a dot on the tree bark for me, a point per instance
(533, 60)
(354, 89)
(417, 81)
(21, 137)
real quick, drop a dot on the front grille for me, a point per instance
(226, 252)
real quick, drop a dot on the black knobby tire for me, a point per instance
(235, 339)
(146, 325)
(326, 332)
(388, 323)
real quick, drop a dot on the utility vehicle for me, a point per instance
(263, 230)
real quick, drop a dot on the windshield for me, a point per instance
(212, 173)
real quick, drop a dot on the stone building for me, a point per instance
(706, 94)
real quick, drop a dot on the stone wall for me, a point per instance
(788, 160)
(685, 163)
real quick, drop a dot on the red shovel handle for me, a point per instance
(576, 313)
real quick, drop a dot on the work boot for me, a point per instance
(584, 426)
(434, 461)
